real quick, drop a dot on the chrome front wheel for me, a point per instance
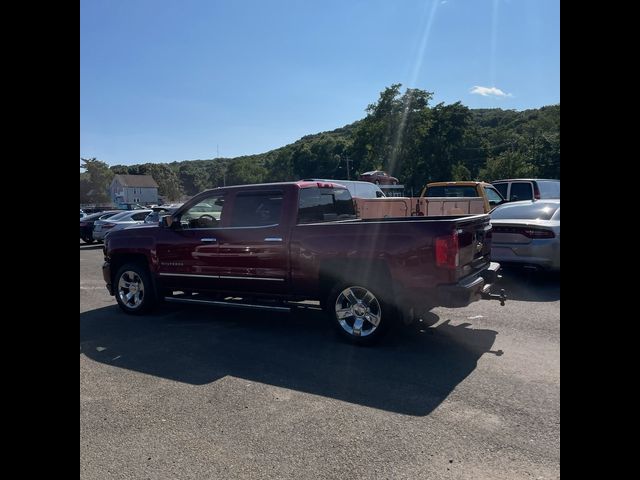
(133, 288)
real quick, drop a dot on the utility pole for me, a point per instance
(224, 170)
(348, 172)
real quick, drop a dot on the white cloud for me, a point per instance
(489, 92)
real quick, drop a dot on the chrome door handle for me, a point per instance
(208, 240)
(273, 239)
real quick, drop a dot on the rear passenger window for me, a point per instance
(521, 191)
(256, 209)
(325, 205)
(139, 216)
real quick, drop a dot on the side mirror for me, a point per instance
(166, 221)
(379, 194)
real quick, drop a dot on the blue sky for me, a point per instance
(164, 81)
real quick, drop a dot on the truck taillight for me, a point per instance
(447, 251)
(536, 191)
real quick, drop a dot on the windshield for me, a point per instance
(120, 216)
(451, 191)
(549, 189)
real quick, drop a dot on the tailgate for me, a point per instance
(474, 244)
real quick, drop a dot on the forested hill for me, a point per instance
(402, 133)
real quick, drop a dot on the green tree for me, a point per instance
(402, 134)
(194, 178)
(217, 172)
(460, 173)
(94, 186)
(168, 182)
(245, 170)
(389, 137)
(508, 164)
(85, 187)
(444, 141)
(279, 166)
(120, 169)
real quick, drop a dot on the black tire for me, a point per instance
(88, 239)
(376, 309)
(140, 285)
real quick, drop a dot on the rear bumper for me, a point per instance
(99, 235)
(544, 254)
(469, 289)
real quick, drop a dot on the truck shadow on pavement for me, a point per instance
(411, 372)
(530, 286)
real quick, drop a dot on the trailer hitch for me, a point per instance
(502, 296)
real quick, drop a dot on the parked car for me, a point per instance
(130, 206)
(157, 213)
(276, 244)
(89, 210)
(528, 188)
(87, 223)
(527, 233)
(356, 188)
(378, 177)
(121, 220)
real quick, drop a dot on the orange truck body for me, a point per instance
(428, 206)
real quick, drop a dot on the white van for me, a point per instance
(515, 189)
(356, 189)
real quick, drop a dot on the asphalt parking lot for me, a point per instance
(202, 392)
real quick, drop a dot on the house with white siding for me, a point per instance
(141, 189)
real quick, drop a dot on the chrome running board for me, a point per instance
(227, 304)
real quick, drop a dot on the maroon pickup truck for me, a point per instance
(268, 246)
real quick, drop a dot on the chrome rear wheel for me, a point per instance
(358, 311)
